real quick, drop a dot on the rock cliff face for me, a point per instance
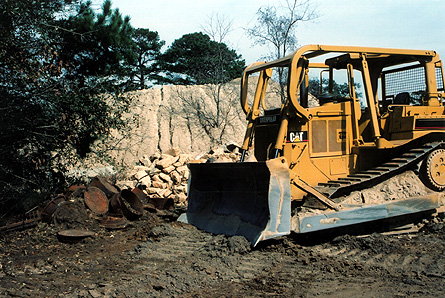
(193, 119)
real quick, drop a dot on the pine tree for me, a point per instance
(147, 48)
(53, 69)
(196, 59)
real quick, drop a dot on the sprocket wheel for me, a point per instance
(432, 170)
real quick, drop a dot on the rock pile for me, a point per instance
(165, 175)
(157, 184)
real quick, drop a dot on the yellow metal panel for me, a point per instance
(338, 166)
(337, 136)
(319, 134)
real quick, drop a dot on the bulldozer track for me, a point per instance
(342, 186)
(185, 242)
(176, 245)
(395, 259)
(375, 254)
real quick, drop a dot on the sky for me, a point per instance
(410, 24)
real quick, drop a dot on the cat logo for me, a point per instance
(297, 136)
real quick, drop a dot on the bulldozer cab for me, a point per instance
(399, 92)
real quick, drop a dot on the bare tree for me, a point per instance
(276, 29)
(214, 109)
(208, 112)
(217, 27)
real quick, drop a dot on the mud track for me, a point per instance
(158, 257)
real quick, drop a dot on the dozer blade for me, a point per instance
(251, 199)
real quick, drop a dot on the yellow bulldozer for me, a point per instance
(312, 152)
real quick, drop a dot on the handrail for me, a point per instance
(245, 86)
(314, 50)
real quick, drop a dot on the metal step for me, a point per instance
(341, 181)
(372, 172)
(351, 179)
(363, 175)
(329, 184)
(399, 160)
(410, 155)
(391, 165)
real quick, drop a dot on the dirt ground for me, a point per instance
(155, 256)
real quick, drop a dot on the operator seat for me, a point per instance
(402, 99)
